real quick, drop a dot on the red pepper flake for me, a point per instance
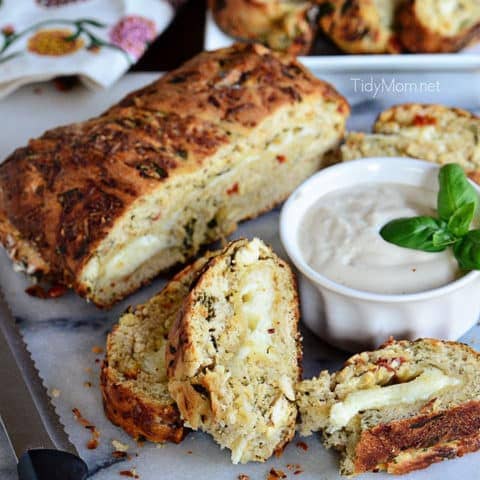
(38, 291)
(275, 474)
(56, 291)
(271, 330)
(97, 360)
(233, 189)
(92, 444)
(189, 452)
(423, 120)
(303, 446)
(281, 158)
(297, 472)
(390, 364)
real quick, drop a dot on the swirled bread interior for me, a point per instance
(234, 352)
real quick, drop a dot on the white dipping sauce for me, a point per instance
(339, 237)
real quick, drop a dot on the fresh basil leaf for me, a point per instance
(459, 223)
(416, 233)
(455, 191)
(443, 238)
(467, 251)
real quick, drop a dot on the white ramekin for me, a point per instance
(352, 319)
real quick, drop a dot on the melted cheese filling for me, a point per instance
(133, 255)
(128, 252)
(421, 388)
(255, 314)
(449, 17)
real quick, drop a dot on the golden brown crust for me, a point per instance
(141, 413)
(279, 25)
(356, 27)
(140, 417)
(445, 434)
(419, 38)
(63, 193)
(180, 351)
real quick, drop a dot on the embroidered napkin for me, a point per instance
(98, 40)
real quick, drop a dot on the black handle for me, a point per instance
(43, 464)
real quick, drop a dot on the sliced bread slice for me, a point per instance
(431, 132)
(134, 373)
(401, 407)
(234, 352)
(434, 26)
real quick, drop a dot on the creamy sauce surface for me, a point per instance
(339, 238)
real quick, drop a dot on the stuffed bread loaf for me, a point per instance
(105, 205)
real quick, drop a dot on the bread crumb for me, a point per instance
(55, 392)
(160, 445)
(87, 384)
(119, 446)
(93, 443)
(119, 455)
(275, 474)
(97, 349)
(242, 476)
(130, 473)
(295, 468)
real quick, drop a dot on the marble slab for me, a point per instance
(63, 334)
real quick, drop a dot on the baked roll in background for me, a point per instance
(432, 132)
(438, 26)
(360, 26)
(283, 25)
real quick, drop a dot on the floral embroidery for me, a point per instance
(54, 42)
(133, 33)
(57, 41)
(8, 30)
